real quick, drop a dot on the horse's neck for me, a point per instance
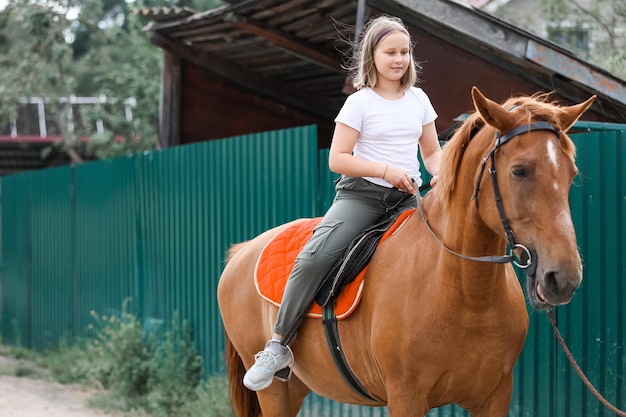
(462, 231)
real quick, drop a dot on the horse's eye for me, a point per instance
(520, 171)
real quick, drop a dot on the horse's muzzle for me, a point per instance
(552, 288)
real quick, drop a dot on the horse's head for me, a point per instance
(516, 163)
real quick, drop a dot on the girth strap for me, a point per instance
(332, 337)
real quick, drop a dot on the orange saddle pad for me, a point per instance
(277, 260)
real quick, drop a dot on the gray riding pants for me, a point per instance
(358, 204)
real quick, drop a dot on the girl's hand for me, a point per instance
(399, 179)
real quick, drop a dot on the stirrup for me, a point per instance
(285, 373)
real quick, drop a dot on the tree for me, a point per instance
(59, 48)
(606, 19)
(38, 57)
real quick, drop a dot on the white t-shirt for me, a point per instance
(389, 130)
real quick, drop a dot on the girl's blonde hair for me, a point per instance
(363, 66)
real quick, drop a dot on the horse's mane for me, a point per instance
(536, 107)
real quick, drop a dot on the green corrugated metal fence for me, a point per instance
(155, 227)
(594, 324)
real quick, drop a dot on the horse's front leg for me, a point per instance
(498, 404)
(282, 399)
(407, 408)
(405, 400)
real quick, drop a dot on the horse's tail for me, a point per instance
(232, 251)
(245, 402)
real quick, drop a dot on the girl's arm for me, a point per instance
(431, 151)
(341, 161)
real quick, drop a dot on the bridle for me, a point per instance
(529, 256)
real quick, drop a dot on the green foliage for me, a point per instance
(58, 48)
(120, 353)
(122, 63)
(606, 20)
(212, 399)
(24, 368)
(176, 370)
(36, 50)
(70, 363)
(157, 370)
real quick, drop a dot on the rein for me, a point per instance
(579, 371)
(493, 259)
(529, 256)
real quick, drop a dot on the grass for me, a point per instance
(23, 365)
(137, 374)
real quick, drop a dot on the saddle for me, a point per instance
(344, 282)
(357, 256)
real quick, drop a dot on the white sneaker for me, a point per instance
(266, 364)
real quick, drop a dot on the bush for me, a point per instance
(175, 370)
(212, 399)
(70, 363)
(158, 370)
(145, 370)
(120, 355)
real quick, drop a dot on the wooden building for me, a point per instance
(258, 65)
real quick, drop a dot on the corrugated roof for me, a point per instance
(291, 51)
(285, 48)
(163, 14)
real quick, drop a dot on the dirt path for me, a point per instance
(34, 397)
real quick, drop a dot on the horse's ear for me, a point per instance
(492, 113)
(571, 114)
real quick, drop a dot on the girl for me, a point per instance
(374, 148)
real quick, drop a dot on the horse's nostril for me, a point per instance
(551, 282)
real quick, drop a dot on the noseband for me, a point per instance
(528, 256)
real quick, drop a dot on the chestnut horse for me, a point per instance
(440, 321)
